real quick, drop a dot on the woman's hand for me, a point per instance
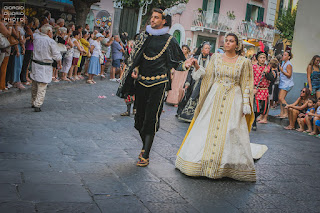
(255, 91)
(281, 69)
(310, 88)
(196, 64)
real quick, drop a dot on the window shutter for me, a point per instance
(248, 13)
(204, 5)
(217, 6)
(260, 14)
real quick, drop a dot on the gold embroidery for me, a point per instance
(161, 53)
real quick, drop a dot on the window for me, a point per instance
(254, 13)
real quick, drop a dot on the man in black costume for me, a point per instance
(155, 52)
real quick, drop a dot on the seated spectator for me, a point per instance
(305, 119)
(316, 120)
(299, 106)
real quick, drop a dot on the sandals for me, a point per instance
(125, 114)
(90, 82)
(143, 162)
(134, 111)
(141, 153)
(289, 128)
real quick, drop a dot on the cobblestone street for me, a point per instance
(79, 155)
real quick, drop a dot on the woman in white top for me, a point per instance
(77, 50)
(286, 82)
(94, 65)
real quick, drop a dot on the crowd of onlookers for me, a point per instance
(85, 53)
(305, 111)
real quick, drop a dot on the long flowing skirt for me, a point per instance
(217, 144)
(178, 80)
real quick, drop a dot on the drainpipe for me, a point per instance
(142, 11)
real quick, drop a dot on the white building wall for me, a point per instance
(306, 34)
(271, 12)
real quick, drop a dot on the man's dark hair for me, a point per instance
(164, 16)
(75, 33)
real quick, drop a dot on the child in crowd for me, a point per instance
(316, 119)
(305, 119)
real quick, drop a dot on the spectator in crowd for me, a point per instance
(67, 60)
(87, 28)
(105, 50)
(29, 25)
(299, 106)
(220, 50)
(94, 65)
(18, 60)
(5, 33)
(316, 120)
(275, 87)
(305, 119)
(86, 54)
(313, 75)
(45, 51)
(117, 56)
(77, 49)
(286, 82)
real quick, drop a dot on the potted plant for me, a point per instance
(231, 15)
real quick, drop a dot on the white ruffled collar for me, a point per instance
(157, 32)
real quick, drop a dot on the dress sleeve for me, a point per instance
(246, 84)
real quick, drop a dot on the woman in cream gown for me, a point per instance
(217, 143)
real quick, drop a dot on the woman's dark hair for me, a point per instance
(290, 54)
(186, 46)
(274, 63)
(84, 32)
(238, 52)
(75, 33)
(313, 100)
(313, 60)
(253, 56)
(279, 58)
(307, 92)
(164, 16)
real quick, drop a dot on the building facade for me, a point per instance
(209, 20)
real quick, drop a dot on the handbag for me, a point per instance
(101, 59)
(61, 48)
(4, 42)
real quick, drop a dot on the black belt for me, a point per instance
(42, 63)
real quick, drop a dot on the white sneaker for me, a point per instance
(113, 79)
(9, 85)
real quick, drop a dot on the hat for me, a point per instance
(99, 35)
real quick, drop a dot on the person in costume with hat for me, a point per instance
(147, 76)
(217, 143)
(262, 78)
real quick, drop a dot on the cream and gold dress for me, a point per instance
(217, 143)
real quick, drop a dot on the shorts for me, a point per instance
(116, 63)
(75, 61)
(317, 122)
(286, 88)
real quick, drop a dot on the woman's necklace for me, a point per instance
(230, 57)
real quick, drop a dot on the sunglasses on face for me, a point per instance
(303, 91)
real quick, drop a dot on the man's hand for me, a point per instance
(196, 64)
(59, 65)
(134, 75)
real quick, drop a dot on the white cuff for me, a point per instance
(246, 109)
(197, 74)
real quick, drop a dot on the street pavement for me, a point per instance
(79, 155)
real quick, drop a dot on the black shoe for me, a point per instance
(37, 109)
(33, 106)
(254, 128)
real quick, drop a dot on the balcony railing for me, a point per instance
(251, 30)
(212, 21)
(222, 23)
